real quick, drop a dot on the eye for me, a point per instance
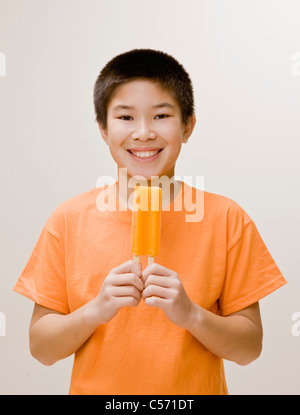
(162, 116)
(125, 117)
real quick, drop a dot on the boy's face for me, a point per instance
(145, 129)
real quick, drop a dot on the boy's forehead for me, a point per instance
(149, 91)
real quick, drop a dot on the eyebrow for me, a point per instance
(164, 104)
(127, 107)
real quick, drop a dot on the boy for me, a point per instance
(163, 328)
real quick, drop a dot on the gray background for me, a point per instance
(245, 143)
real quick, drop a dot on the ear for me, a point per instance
(103, 132)
(188, 128)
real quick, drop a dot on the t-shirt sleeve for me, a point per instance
(43, 279)
(251, 272)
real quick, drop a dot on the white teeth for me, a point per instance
(144, 154)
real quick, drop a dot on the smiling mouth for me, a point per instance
(145, 155)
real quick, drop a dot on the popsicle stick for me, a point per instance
(150, 260)
(136, 258)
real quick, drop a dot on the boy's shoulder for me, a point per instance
(81, 200)
(73, 207)
(222, 212)
(223, 208)
(216, 209)
(216, 202)
(78, 202)
(221, 201)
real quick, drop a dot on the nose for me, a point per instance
(143, 131)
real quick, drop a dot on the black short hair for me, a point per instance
(145, 64)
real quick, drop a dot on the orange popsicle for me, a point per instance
(146, 222)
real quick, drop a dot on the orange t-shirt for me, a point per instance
(221, 260)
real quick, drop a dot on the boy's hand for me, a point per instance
(164, 289)
(122, 287)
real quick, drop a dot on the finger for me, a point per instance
(125, 291)
(156, 269)
(127, 302)
(127, 279)
(155, 290)
(156, 302)
(158, 280)
(129, 266)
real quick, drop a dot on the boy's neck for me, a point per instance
(123, 191)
